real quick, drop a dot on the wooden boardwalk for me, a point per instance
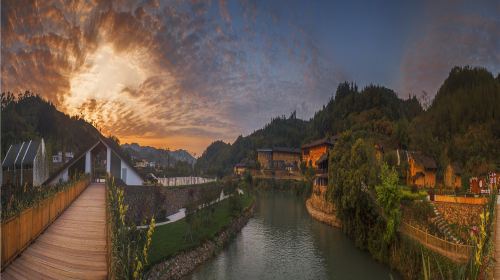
(73, 247)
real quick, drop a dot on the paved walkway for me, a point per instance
(496, 274)
(73, 247)
(181, 214)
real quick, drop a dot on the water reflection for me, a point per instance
(283, 242)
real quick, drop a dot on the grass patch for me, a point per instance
(170, 239)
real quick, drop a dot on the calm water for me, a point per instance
(282, 241)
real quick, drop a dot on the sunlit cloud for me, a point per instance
(154, 71)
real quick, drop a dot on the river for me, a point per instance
(282, 241)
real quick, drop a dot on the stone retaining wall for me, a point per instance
(146, 201)
(460, 214)
(184, 263)
(321, 209)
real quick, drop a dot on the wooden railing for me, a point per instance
(461, 199)
(454, 251)
(19, 231)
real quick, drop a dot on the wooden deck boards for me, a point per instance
(73, 247)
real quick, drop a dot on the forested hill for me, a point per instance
(219, 158)
(28, 116)
(371, 112)
(461, 124)
(161, 156)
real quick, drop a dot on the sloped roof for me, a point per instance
(280, 149)
(457, 169)
(108, 142)
(426, 161)
(21, 154)
(330, 141)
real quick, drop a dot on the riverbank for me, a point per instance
(320, 209)
(319, 215)
(185, 261)
(403, 255)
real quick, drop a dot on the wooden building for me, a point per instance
(452, 176)
(422, 170)
(26, 163)
(240, 169)
(313, 151)
(321, 176)
(102, 158)
(279, 158)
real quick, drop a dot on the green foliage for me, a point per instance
(419, 211)
(129, 246)
(29, 116)
(389, 198)
(353, 172)
(170, 239)
(219, 158)
(463, 122)
(409, 195)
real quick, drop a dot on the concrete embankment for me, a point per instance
(321, 209)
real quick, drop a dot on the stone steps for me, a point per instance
(444, 227)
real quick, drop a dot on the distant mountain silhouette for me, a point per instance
(160, 156)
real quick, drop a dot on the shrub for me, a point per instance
(129, 246)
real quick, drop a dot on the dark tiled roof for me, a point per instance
(330, 141)
(21, 154)
(31, 151)
(280, 149)
(426, 161)
(286, 150)
(11, 156)
(457, 169)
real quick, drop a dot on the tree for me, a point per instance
(389, 199)
(352, 175)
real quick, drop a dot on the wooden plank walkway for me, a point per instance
(73, 247)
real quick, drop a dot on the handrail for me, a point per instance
(452, 250)
(19, 231)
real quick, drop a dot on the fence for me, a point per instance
(461, 199)
(454, 251)
(19, 231)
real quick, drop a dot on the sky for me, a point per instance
(182, 74)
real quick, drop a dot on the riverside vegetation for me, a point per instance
(368, 201)
(129, 246)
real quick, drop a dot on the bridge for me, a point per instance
(72, 247)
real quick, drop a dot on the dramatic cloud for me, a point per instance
(157, 71)
(181, 74)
